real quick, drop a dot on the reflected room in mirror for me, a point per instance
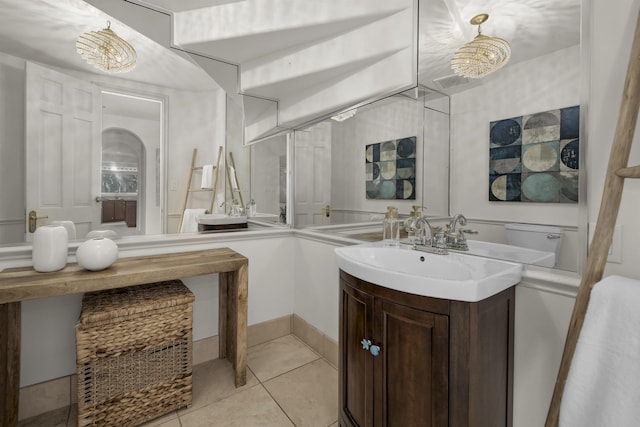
(539, 77)
(142, 196)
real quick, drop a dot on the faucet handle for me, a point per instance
(441, 243)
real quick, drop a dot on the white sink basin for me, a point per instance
(454, 276)
(221, 219)
(512, 253)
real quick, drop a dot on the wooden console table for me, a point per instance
(19, 284)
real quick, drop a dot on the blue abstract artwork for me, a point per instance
(390, 169)
(535, 157)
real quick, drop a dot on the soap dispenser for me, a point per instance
(251, 208)
(391, 227)
(414, 214)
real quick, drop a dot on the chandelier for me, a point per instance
(482, 55)
(106, 51)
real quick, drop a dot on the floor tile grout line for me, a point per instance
(277, 403)
(297, 367)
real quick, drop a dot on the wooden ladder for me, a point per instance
(617, 171)
(232, 177)
(191, 190)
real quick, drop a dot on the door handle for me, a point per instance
(327, 211)
(33, 221)
(98, 199)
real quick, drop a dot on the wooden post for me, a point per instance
(609, 206)
(9, 363)
(241, 293)
(232, 320)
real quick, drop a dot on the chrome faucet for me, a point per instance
(455, 239)
(424, 238)
(426, 241)
(457, 218)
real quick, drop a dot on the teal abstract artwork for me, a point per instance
(390, 169)
(535, 157)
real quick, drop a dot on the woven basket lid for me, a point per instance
(111, 304)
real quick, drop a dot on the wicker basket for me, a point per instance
(134, 353)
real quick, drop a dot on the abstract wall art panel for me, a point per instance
(535, 158)
(390, 169)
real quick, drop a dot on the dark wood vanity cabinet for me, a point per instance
(440, 363)
(119, 210)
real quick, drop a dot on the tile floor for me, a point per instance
(288, 384)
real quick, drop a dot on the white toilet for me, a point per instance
(544, 238)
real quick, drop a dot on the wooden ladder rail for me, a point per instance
(215, 179)
(234, 179)
(189, 182)
(617, 171)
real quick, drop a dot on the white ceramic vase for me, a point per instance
(49, 250)
(109, 234)
(69, 226)
(97, 253)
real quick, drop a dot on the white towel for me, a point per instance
(190, 220)
(603, 385)
(207, 176)
(232, 177)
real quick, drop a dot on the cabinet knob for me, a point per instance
(375, 350)
(365, 343)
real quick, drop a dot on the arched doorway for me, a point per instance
(123, 181)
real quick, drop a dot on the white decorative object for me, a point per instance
(109, 234)
(69, 225)
(97, 253)
(49, 250)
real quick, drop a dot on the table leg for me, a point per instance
(223, 289)
(232, 321)
(241, 291)
(9, 363)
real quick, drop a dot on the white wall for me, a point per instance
(316, 285)
(538, 85)
(12, 108)
(542, 321)
(609, 59)
(48, 334)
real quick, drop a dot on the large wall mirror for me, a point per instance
(446, 121)
(453, 158)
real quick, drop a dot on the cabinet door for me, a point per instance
(412, 370)
(108, 210)
(119, 210)
(356, 363)
(131, 213)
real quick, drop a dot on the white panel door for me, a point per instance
(313, 176)
(63, 148)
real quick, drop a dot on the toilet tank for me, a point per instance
(540, 237)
